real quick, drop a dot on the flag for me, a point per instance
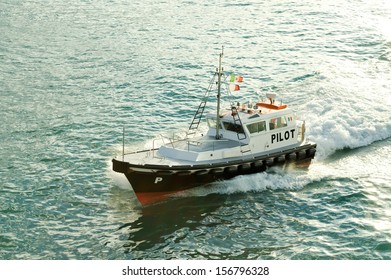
(234, 87)
(234, 78)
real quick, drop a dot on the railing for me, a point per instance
(184, 142)
(172, 139)
(202, 142)
(179, 140)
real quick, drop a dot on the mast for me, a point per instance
(219, 73)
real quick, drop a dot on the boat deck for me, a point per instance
(205, 144)
(196, 145)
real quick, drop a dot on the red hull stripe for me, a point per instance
(146, 198)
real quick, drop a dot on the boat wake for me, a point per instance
(340, 122)
(276, 178)
(332, 135)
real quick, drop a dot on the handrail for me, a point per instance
(187, 140)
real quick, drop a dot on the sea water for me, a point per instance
(73, 74)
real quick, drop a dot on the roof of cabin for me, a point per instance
(261, 110)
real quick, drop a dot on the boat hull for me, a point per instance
(152, 182)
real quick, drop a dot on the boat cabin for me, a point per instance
(262, 126)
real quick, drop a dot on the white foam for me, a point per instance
(334, 132)
(346, 116)
(275, 179)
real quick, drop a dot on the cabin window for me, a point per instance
(254, 116)
(212, 123)
(233, 127)
(277, 123)
(257, 127)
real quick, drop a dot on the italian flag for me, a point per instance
(234, 78)
(234, 87)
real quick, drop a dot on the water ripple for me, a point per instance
(74, 74)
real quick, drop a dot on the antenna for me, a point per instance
(219, 74)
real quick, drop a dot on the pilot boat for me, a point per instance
(242, 139)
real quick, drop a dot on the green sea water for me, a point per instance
(74, 73)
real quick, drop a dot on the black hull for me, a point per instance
(150, 182)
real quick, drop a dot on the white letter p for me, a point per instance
(158, 179)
